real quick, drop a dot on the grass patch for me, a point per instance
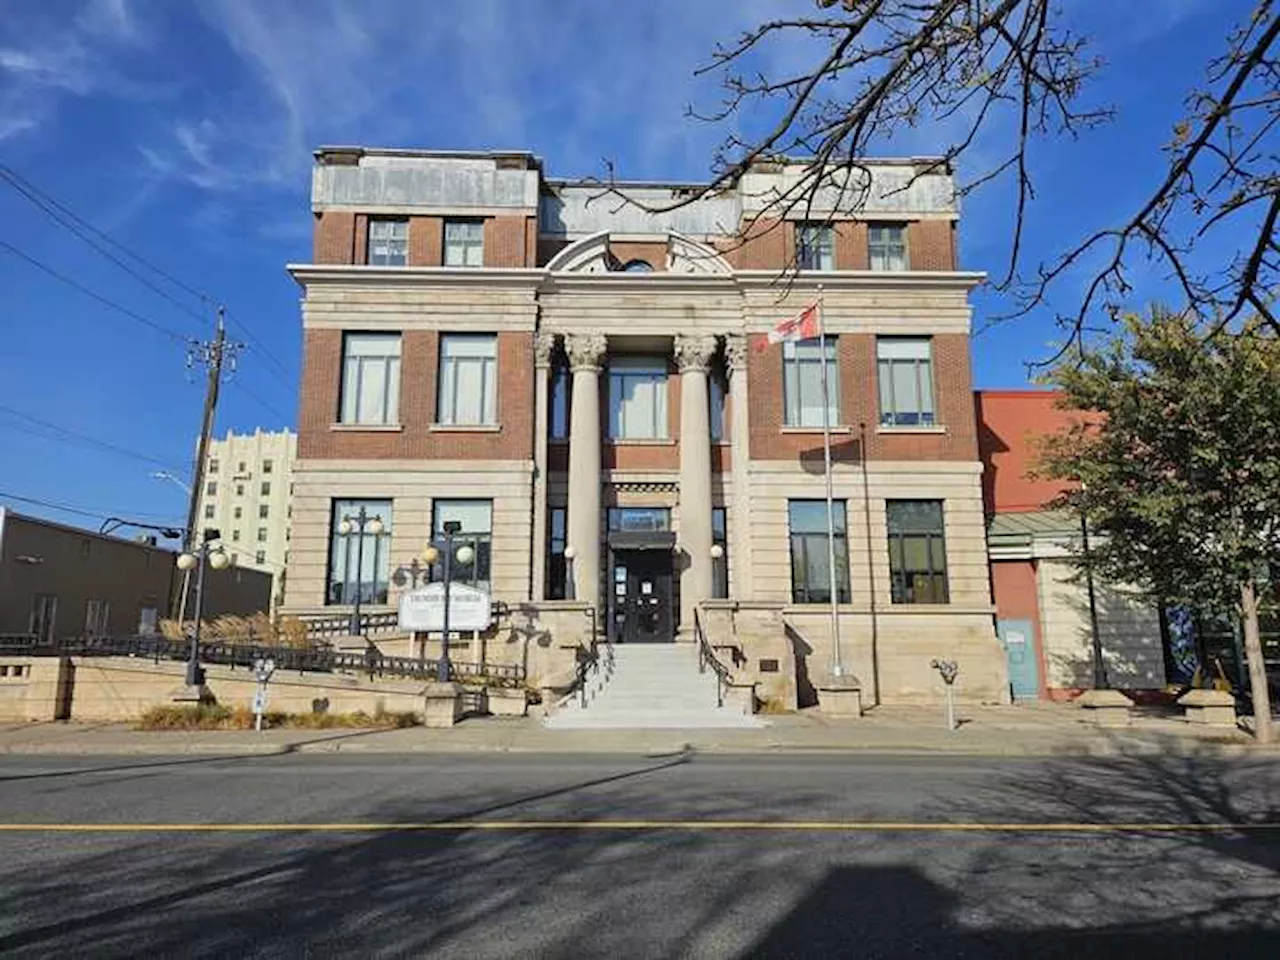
(213, 716)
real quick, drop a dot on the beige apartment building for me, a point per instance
(587, 389)
(247, 494)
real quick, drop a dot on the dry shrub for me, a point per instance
(213, 716)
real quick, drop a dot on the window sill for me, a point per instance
(366, 427)
(937, 429)
(465, 427)
(834, 429)
(641, 442)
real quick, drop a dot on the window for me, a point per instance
(239, 489)
(637, 266)
(802, 383)
(476, 518)
(237, 513)
(917, 551)
(360, 560)
(371, 378)
(716, 393)
(388, 242)
(44, 614)
(262, 534)
(637, 398)
(815, 246)
(887, 246)
(262, 511)
(557, 582)
(468, 379)
(464, 243)
(208, 511)
(720, 564)
(810, 570)
(260, 557)
(240, 468)
(639, 518)
(905, 372)
(211, 488)
(266, 466)
(561, 387)
(235, 535)
(97, 614)
(213, 464)
(265, 489)
(148, 621)
(288, 512)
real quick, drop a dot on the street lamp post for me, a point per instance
(356, 526)
(465, 555)
(209, 553)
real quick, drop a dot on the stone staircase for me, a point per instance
(654, 685)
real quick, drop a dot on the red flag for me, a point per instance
(803, 326)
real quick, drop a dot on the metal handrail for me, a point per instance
(707, 655)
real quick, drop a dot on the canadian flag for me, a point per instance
(803, 326)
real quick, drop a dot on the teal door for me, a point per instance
(1019, 641)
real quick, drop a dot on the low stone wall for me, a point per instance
(751, 639)
(32, 688)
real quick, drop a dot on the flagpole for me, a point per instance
(837, 664)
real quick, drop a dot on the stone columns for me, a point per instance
(543, 346)
(741, 586)
(586, 351)
(693, 354)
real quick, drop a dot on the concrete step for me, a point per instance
(592, 718)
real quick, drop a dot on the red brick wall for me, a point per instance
(333, 237)
(859, 403)
(931, 245)
(1011, 428)
(360, 252)
(504, 241)
(321, 386)
(530, 241)
(426, 241)
(765, 245)
(851, 245)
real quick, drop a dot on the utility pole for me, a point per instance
(214, 355)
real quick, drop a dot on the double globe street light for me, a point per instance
(208, 554)
(358, 525)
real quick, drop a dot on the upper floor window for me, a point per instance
(887, 246)
(237, 513)
(637, 266)
(208, 511)
(213, 464)
(262, 511)
(716, 393)
(240, 467)
(815, 246)
(371, 378)
(468, 379)
(267, 465)
(802, 384)
(904, 368)
(561, 382)
(637, 398)
(266, 488)
(464, 243)
(917, 551)
(388, 242)
(211, 488)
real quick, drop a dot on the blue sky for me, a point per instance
(185, 132)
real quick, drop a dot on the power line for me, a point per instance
(72, 436)
(253, 396)
(261, 348)
(105, 301)
(80, 511)
(84, 230)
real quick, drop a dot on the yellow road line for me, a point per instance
(836, 826)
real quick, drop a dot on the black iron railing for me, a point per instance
(17, 642)
(315, 659)
(340, 625)
(707, 658)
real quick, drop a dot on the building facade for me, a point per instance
(1046, 617)
(248, 480)
(586, 388)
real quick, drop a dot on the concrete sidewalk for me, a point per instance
(1029, 730)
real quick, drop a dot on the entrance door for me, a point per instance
(642, 596)
(1019, 641)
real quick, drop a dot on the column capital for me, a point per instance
(585, 350)
(544, 344)
(735, 351)
(694, 351)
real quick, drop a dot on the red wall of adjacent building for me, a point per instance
(1010, 425)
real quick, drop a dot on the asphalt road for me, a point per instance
(812, 857)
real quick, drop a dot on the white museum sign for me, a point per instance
(423, 608)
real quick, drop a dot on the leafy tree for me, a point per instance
(1177, 463)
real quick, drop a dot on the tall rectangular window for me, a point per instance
(262, 534)
(917, 551)
(97, 615)
(802, 383)
(359, 560)
(464, 243)
(468, 379)
(237, 513)
(557, 518)
(371, 378)
(887, 246)
(716, 393)
(637, 398)
(904, 368)
(208, 511)
(720, 564)
(815, 246)
(211, 488)
(388, 242)
(476, 531)
(561, 383)
(266, 488)
(810, 560)
(262, 511)
(267, 465)
(213, 465)
(260, 557)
